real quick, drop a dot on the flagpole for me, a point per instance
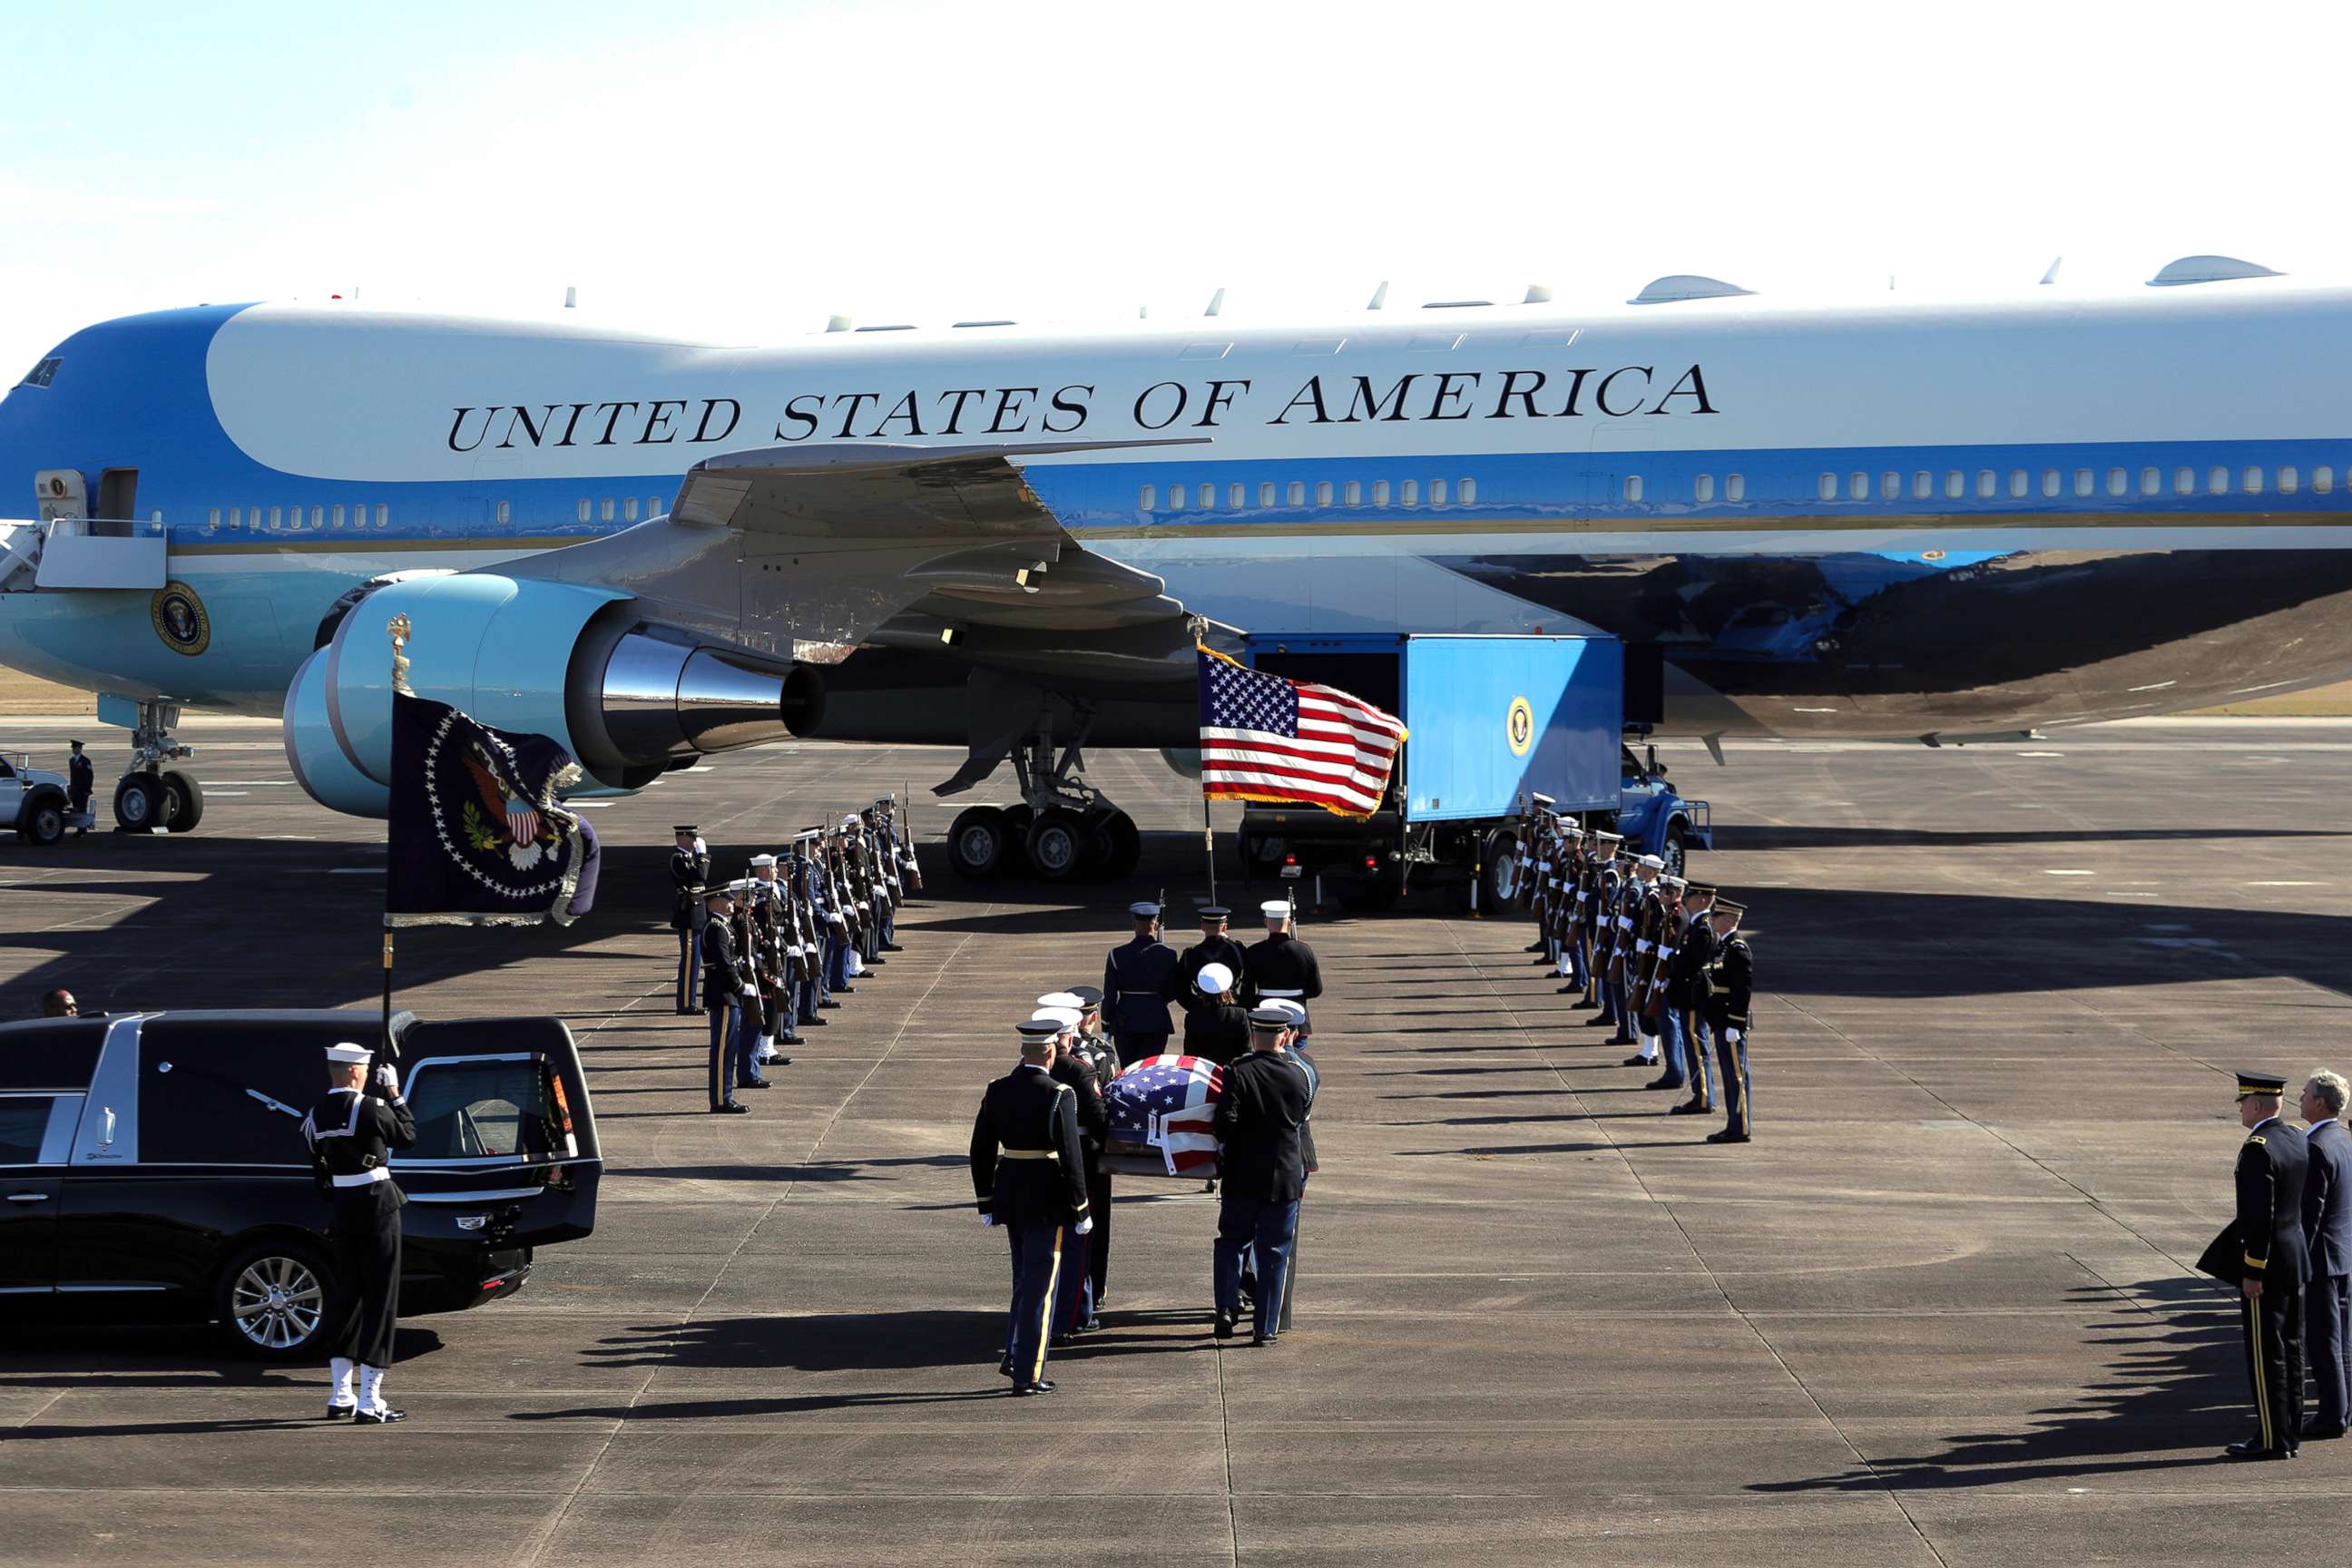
(1199, 627)
(398, 628)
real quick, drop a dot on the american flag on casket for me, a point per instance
(1167, 1105)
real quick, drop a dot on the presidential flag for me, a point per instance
(479, 835)
(1169, 1103)
(1267, 738)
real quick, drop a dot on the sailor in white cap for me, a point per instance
(352, 1133)
(1029, 1173)
(1216, 1026)
(1281, 966)
(1140, 980)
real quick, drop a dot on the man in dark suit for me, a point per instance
(2328, 1237)
(1029, 1173)
(1261, 1163)
(2271, 1267)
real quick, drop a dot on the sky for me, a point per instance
(735, 172)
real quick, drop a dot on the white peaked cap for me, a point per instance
(1067, 1016)
(1142, 907)
(1652, 862)
(763, 860)
(347, 1054)
(1276, 909)
(1216, 979)
(1061, 999)
(1287, 1003)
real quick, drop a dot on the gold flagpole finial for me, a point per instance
(400, 628)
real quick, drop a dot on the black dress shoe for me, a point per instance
(1726, 1136)
(732, 1108)
(813, 1023)
(1690, 1107)
(1062, 1342)
(1601, 1023)
(1257, 1340)
(1533, 947)
(2252, 1451)
(1634, 1061)
(1224, 1327)
(894, 947)
(383, 1417)
(755, 1083)
(1586, 1006)
(780, 1061)
(1040, 1387)
(1094, 1325)
(827, 1006)
(845, 991)
(338, 1412)
(1630, 1040)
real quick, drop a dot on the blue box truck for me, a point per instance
(1492, 723)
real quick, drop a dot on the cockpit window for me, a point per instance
(42, 373)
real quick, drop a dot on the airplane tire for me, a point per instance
(1056, 845)
(976, 842)
(138, 803)
(1125, 845)
(184, 802)
(1672, 855)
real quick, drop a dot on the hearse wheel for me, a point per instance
(275, 1301)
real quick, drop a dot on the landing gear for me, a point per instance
(1064, 826)
(151, 795)
(976, 842)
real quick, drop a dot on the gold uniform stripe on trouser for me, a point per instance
(1045, 1313)
(1702, 1088)
(1738, 1066)
(2261, 1383)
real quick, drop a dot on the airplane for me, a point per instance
(1888, 518)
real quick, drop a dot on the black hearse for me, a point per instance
(152, 1167)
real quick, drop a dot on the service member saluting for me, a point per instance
(1030, 1175)
(1138, 981)
(1281, 967)
(351, 1134)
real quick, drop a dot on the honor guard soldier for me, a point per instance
(772, 967)
(2263, 1249)
(352, 1133)
(1029, 1173)
(1094, 1051)
(1074, 1306)
(1216, 946)
(1262, 1166)
(1730, 1000)
(1138, 981)
(1644, 906)
(1281, 967)
(726, 991)
(2327, 1237)
(690, 873)
(1681, 977)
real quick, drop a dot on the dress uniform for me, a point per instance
(1214, 1028)
(1731, 986)
(1138, 981)
(1074, 1301)
(1281, 967)
(1216, 946)
(2327, 1237)
(351, 1134)
(1262, 1167)
(2263, 1251)
(1686, 986)
(726, 990)
(1645, 906)
(1029, 1174)
(690, 873)
(1096, 1053)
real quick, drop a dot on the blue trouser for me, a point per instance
(1670, 1045)
(689, 971)
(726, 1048)
(2326, 1337)
(1685, 1049)
(753, 1021)
(1074, 1292)
(1612, 1004)
(889, 920)
(1037, 1254)
(1732, 1062)
(836, 962)
(1266, 1228)
(1579, 973)
(811, 989)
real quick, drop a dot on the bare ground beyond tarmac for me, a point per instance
(1939, 1312)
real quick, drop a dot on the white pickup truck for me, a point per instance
(34, 803)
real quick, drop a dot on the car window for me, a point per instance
(24, 1120)
(488, 1108)
(228, 1093)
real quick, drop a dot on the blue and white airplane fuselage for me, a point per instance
(1893, 521)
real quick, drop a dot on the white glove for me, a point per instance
(1731, 1035)
(700, 848)
(387, 1079)
(750, 991)
(989, 1220)
(1084, 1227)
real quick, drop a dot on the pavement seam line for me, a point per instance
(1225, 1429)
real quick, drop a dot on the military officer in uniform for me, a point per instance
(1260, 1122)
(689, 871)
(727, 990)
(1073, 1302)
(1138, 981)
(1029, 1173)
(352, 1133)
(82, 778)
(2263, 1249)
(1687, 980)
(2328, 1237)
(1280, 968)
(1731, 998)
(1086, 1042)
(1216, 946)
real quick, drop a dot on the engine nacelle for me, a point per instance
(579, 664)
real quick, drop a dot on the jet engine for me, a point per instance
(628, 698)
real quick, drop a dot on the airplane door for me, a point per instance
(60, 493)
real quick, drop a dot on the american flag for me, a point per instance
(1169, 1103)
(1266, 738)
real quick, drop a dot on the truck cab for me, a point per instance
(1654, 819)
(33, 801)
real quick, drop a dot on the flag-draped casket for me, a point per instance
(1163, 1114)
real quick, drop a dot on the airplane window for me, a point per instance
(1890, 486)
(1857, 486)
(1956, 485)
(587, 510)
(1923, 485)
(2084, 484)
(1150, 500)
(1208, 497)
(382, 515)
(1632, 487)
(2016, 482)
(1702, 487)
(1437, 492)
(1235, 494)
(1829, 487)
(1322, 492)
(275, 514)
(653, 506)
(1410, 493)
(211, 519)
(1736, 487)
(1380, 492)
(608, 508)
(2217, 481)
(2050, 481)
(506, 511)
(2322, 479)
(2117, 481)
(1298, 496)
(1469, 491)
(1175, 498)
(1355, 492)
(2150, 481)
(1986, 483)
(1265, 495)
(237, 517)
(629, 509)
(2253, 481)
(2289, 481)
(2184, 481)
(318, 515)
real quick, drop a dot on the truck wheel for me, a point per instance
(976, 842)
(1501, 872)
(1056, 845)
(1673, 853)
(184, 802)
(137, 802)
(1380, 892)
(277, 1301)
(43, 822)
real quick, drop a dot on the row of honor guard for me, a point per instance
(772, 952)
(1662, 959)
(1215, 981)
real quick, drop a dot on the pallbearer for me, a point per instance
(1030, 1175)
(352, 1133)
(1095, 1049)
(690, 873)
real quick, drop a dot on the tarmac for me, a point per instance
(1941, 1311)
